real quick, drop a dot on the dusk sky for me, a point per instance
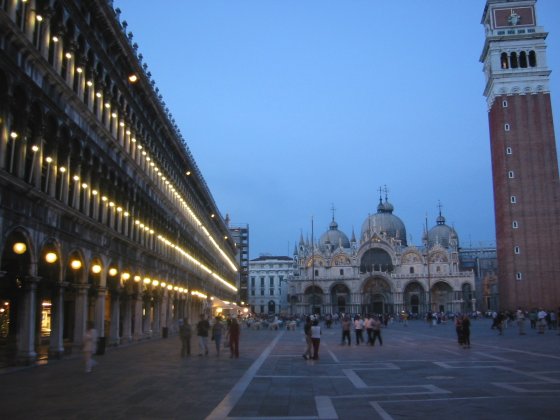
(292, 106)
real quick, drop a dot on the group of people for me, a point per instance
(371, 324)
(231, 330)
(539, 319)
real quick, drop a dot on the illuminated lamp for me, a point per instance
(51, 257)
(76, 264)
(19, 248)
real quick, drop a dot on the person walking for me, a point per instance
(217, 330)
(459, 329)
(520, 316)
(466, 332)
(90, 345)
(308, 342)
(234, 332)
(185, 334)
(359, 327)
(202, 328)
(376, 331)
(316, 338)
(367, 326)
(346, 326)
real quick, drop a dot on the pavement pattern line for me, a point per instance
(230, 400)
(325, 408)
(382, 413)
(512, 387)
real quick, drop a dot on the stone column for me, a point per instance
(100, 311)
(137, 332)
(27, 312)
(127, 321)
(11, 7)
(156, 326)
(80, 313)
(56, 344)
(114, 338)
(4, 138)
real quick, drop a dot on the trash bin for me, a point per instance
(164, 332)
(100, 346)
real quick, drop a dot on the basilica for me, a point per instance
(380, 272)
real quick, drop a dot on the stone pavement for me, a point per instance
(419, 372)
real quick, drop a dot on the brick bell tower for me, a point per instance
(524, 158)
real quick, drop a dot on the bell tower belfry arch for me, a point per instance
(524, 156)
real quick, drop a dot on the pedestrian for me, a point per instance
(202, 328)
(345, 324)
(308, 342)
(466, 332)
(541, 321)
(217, 330)
(459, 329)
(90, 345)
(185, 332)
(359, 327)
(316, 338)
(520, 316)
(376, 331)
(500, 323)
(367, 326)
(234, 333)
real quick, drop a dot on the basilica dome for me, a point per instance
(442, 234)
(334, 238)
(384, 222)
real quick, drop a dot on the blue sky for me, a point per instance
(292, 106)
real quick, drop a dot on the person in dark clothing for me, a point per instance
(234, 331)
(202, 329)
(466, 328)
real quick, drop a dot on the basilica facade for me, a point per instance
(379, 272)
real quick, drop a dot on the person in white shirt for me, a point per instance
(359, 327)
(316, 338)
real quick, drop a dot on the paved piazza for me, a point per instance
(419, 372)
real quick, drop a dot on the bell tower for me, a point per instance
(524, 157)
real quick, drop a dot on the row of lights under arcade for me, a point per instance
(51, 257)
(132, 78)
(119, 209)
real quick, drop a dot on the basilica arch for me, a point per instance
(340, 298)
(377, 297)
(376, 260)
(314, 299)
(414, 298)
(442, 297)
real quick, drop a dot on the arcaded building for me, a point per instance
(379, 272)
(104, 215)
(524, 155)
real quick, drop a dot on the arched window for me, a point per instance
(523, 59)
(504, 61)
(513, 60)
(532, 59)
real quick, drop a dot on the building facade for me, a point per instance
(104, 215)
(240, 235)
(524, 156)
(268, 279)
(483, 262)
(379, 272)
